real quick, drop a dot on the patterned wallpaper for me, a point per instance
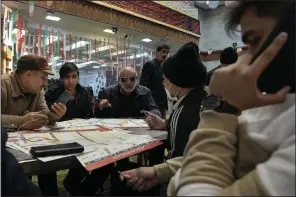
(184, 7)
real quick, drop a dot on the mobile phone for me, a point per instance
(59, 149)
(283, 65)
(64, 97)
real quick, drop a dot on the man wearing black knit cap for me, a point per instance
(184, 78)
(228, 56)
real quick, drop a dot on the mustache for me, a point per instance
(164, 57)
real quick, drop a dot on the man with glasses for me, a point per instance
(127, 99)
(23, 106)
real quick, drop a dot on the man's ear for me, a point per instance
(28, 73)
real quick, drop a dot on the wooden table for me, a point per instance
(33, 166)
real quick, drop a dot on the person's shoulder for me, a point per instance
(113, 89)
(149, 63)
(54, 87)
(6, 79)
(143, 90)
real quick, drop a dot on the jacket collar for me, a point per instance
(17, 89)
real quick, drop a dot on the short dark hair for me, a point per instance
(67, 68)
(274, 9)
(164, 46)
(228, 56)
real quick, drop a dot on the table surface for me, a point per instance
(33, 166)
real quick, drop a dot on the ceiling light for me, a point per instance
(50, 16)
(108, 31)
(53, 18)
(146, 40)
(103, 65)
(95, 67)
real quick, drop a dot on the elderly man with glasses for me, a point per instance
(127, 99)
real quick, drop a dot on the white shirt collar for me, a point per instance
(176, 105)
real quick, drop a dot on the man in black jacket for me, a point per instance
(152, 78)
(127, 99)
(228, 56)
(14, 182)
(78, 107)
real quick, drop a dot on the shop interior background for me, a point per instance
(98, 49)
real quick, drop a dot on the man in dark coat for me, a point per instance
(127, 99)
(152, 78)
(78, 107)
(14, 182)
(228, 56)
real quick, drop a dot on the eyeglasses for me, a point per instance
(124, 79)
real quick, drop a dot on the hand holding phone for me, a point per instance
(59, 107)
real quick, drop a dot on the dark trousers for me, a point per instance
(156, 155)
(48, 184)
(79, 182)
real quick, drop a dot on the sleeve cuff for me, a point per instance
(163, 172)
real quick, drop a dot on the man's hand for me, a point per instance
(33, 120)
(59, 109)
(237, 83)
(140, 179)
(154, 121)
(104, 104)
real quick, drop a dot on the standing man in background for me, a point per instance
(152, 78)
(228, 56)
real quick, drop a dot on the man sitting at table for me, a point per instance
(22, 101)
(78, 107)
(125, 100)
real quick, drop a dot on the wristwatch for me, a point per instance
(216, 103)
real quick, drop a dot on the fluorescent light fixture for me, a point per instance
(108, 31)
(86, 63)
(103, 65)
(96, 67)
(50, 16)
(53, 18)
(146, 40)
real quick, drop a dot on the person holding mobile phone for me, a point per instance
(252, 154)
(23, 105)
(78, 101)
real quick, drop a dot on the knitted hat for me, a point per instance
(228, 56)
(184, 68)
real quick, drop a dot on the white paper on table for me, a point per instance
(128, 142)
(119, 123)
